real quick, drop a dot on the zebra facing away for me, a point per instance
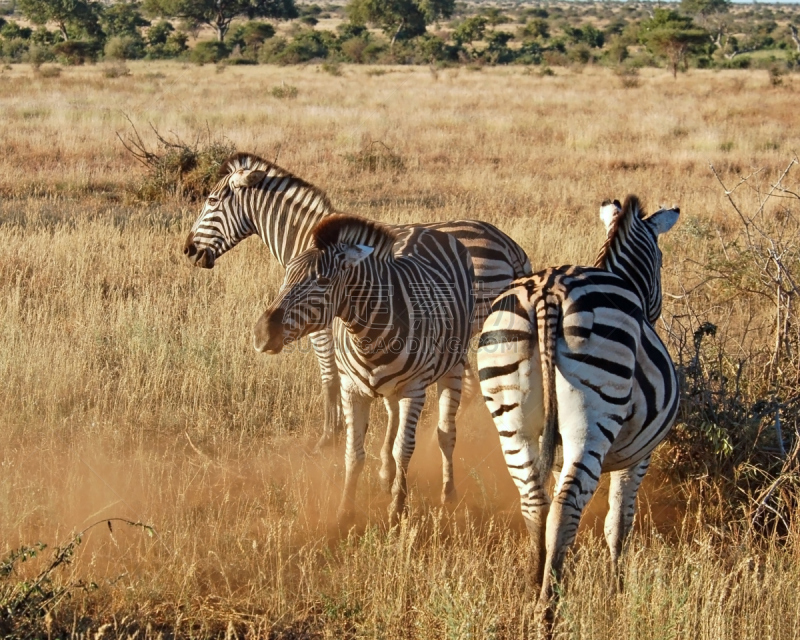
(406, 304)
(254, 196)
(570, 354)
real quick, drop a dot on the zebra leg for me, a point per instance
(404, 443)
(322, 342)
(621, 508)
(511, 383)
(387, 471)
(469, 384)
(583, 451)
(449, 388)
(356, 412)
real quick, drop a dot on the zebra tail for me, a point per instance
(547, 323)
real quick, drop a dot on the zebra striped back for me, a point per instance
(570, 354)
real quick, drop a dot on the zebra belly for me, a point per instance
(654, 404)
(410, 370)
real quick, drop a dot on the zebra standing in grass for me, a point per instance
(254, 196)
(570, 354)
(406, 305)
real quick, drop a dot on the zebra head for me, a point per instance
(631, 248)
(225, 219)
(313, 290)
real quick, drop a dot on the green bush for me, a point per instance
(124, 48)
(38, 55)
(209, 51)
(45, 38)
(348, 30)
(536, 28)
(580, 53)
(353, 49)
(174, 47)
(529, 53)
(73, 52)
(11, 30)
(251, 36)
(271, 50)
(307, 45)
(739, 62)
(13, 49)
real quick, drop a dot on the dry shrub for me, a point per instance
(735, 336)
(284, 91)
(175, 167)
(116, 70)
(48, 71)
(628, 77)
(376, 156)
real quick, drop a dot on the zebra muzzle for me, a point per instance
(268, 332)
(203, 258)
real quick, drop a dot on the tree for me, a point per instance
(220, 13)
(123, 19)
(673, 36)
(81, 14)
(471, 30)
(536, 28)
(712, 14)
(704, 7)
(403, 19)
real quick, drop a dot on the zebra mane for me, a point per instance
(243, 160)
(348, 229)
(631, 208)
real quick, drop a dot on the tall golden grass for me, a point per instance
(130, 389)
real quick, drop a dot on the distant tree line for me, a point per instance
(697, 32)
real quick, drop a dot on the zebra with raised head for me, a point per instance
(405, 303)
(254, 196)
(570, 354)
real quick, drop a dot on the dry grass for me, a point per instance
(130, 387)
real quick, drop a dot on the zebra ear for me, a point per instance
(355, 253)
(663, 220)
(243, 178)
(608, 212)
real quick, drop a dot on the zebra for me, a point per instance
(570, 354)
(405, 302)
(254, 196)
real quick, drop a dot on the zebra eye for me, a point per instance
(213, 201)
(323, 281)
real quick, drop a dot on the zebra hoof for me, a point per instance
(325, 442)
(396, 512)
(345, 518)
(386, 482)
(544, 616)
(449, 496)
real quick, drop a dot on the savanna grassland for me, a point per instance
(130, 388)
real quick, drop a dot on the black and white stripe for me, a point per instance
(405, 303)
(570, 355)
(254, 196)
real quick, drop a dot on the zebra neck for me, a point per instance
(366, 303)
(632, 255)
(284, 212)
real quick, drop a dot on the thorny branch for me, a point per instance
(37, 594)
